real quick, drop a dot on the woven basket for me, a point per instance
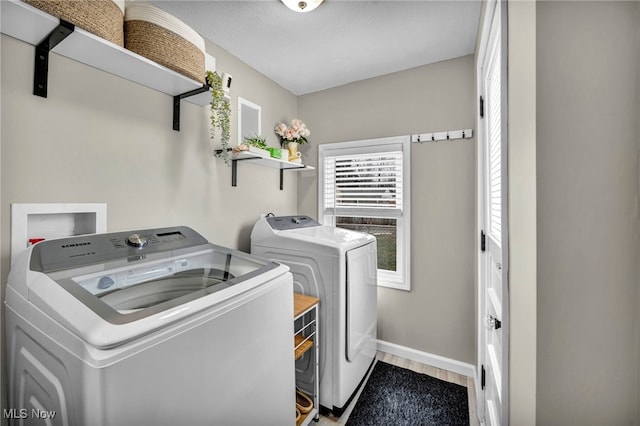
(165, 48)
(103, 18)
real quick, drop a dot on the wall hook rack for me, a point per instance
(443, 136)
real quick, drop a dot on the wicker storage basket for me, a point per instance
(160, 37)
(103, 18)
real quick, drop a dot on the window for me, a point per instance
(364, 186)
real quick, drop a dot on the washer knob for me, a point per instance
(137, 241)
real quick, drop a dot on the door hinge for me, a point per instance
(481, 107)
(483, 375)
(483, 242)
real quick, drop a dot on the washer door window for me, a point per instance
(151, 293)
(121, 292)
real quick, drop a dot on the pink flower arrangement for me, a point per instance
(297, 132)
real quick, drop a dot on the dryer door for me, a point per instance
(362, 300)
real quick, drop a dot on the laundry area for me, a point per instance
(319, 212)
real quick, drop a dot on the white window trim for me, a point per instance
(401, 279)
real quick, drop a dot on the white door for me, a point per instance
(493, 292)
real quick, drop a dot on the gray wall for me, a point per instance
(99, 138)
(438, 314)
(587, 197)
(638, 288)
(522, 211)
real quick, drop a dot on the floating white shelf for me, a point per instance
(89, 49)
(259, 160)
(26, 23)
(31, 25)
(275, 163)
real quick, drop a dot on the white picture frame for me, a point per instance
(249, 119)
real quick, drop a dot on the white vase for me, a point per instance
(293, 150)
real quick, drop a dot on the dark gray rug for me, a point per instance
(400, 397)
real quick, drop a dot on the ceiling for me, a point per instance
(338, 43)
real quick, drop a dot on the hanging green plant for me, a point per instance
(220, 115)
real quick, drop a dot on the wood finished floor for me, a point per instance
(419, 368)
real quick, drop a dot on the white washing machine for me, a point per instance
(339, 267)
(152, 327)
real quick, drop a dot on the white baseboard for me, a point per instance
(437, 361)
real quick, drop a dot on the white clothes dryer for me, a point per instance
(152, 327)
(339, 267)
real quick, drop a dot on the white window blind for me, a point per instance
(495, 146)
(370, 181)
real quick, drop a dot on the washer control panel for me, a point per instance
(67, 253)
(283, 223)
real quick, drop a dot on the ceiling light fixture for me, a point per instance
(302, 6)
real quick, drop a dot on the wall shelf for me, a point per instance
(259, 160)
(33, 26)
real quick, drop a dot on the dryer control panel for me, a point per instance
(282, 223)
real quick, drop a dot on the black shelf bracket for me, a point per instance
(234, 168)
(234, 172)
(178, 98)
(41, 64)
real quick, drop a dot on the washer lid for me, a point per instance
(124, 291)
(329, 236)
(305, 234)
(123, 297)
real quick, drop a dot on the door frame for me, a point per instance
(481, 219)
